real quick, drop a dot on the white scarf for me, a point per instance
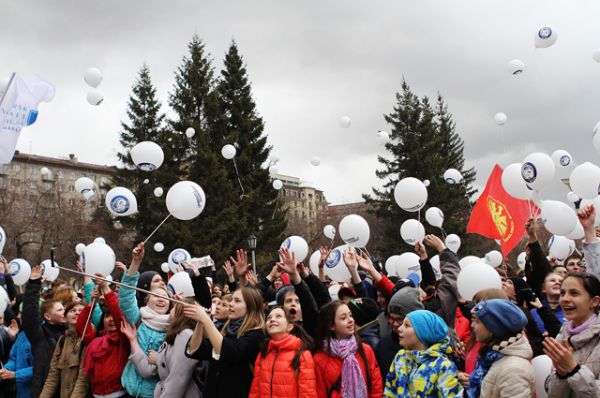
(154, 320)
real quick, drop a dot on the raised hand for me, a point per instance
(240, 264)
(350, 258)
(365, 263)
(288, 261)
(121, 267)
(587, 218)
(435, 242)
(196, 313)
(229, 271)
(252, 279)
(129, 330)
(324, 250)
(420, 250)
(302, 269)
(275, 273)
(138, 253)
(531, 230)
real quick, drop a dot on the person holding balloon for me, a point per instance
(151, 331)
(575, 353)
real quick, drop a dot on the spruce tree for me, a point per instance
(423, 144)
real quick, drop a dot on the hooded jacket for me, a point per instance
(584, 383)
(512, 375)
(420, 374)
(275, 377)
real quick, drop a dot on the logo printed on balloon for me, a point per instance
(178, 256)
(287, 243)
(502, 218)
(545, 32)
(528, 172)
(565, 160)
(15, 267)
(171, 289)
(120, 204)
(334, 258)
(198, 195)
(146, 166)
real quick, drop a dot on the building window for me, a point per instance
(60, 174)
(303, 215)
(71, 202)
(2, 182)
(72, 188)
(61, 188)
(72, 175)
(311, 214)
(302, 194)
(93, 177)
(296, 213)
(310, 196)
(16, 167)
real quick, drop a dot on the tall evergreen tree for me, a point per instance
(423, 144)
(241, 124)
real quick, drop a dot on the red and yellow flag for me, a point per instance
(498, 215)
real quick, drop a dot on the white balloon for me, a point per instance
(159, 247)
(109, 278)
(516, 67)
(391, 264)
(79, 248)
(383, 136)
(335, 267)
(542, 367)
(93, 77)
(44, 171)
(475, 277)
(277, 184)
(453, 242)
(435, 217)
(2, 239)
(121, 202)
(98, 258)
(596, 137)
(297, 245)
(20, 271)
(313, 262)
(176, 257)
(500, 118)
(333, 291)
(181, 282)
(354, 230)
(185, 200)
(189, 132)
(577, 232)
(4, 299)
(345, 122)
(3, 85)
(273, 170)
(158, 192)
(100, 240)
(596, 203)
(315, 161)
(585, 180)
(560, 247)
(513, 183)
(596, 55)
(408, 263)
(521, 260)
(410, 194)
(493, 258)
(47, 268)
(89, 195)
(468, 260)
(84, 184)
(329, 231)
(558, 217)
(572, 197)
(146, 181)
(545, 37)
(426, 183)
(94, 97)
(435, 264)
(563, 162)
(412, 231)
(164, 267)
(228, 151)
(537, 170)
(452, 176)
(147, 155)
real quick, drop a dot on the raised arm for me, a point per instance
(31, 319)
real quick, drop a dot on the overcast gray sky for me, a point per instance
(311, 62)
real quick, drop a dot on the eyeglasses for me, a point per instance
(395, 321)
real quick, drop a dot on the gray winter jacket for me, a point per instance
(591, 253)
(586, 348)
(173, 368)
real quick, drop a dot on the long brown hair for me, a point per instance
(255, 317)
(325, 334)
(179, 322)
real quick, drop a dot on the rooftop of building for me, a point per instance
(71, 162)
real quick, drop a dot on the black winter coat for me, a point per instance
(385, 352)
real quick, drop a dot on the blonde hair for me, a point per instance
(255, 317)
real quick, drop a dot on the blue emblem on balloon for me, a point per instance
(565, 160)
(545, 32)
(119, 204)
(528, 172)
(179, 256)
(15, 267)
(334, 258)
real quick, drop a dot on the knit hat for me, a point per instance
(429, 327)
(364, 310)
(346, 291)
(280, 295)
(501, 317)
(144, 282)
(404, 301)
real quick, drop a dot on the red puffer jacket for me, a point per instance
(329, 370)
(275, 377)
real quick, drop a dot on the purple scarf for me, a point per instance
(576, 330)
(353, 385)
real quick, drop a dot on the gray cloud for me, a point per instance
(311, 63)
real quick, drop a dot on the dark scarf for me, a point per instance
(484, 363)
(234, 326)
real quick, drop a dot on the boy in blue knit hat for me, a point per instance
(422, 368)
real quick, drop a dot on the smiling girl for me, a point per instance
(575, 353)
(285, 366)
(344, 366)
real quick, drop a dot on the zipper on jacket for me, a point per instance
(273, 371)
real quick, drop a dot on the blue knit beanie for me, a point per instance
(501, 317)
(280, 295)
(429, 327)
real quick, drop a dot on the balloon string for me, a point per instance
(443, 233)
(87, 322)
(239, 180)
(156, 229)
(276, 206)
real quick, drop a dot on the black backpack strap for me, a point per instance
(335, 386)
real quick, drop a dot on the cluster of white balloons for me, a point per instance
(403, 265)
(93, 77)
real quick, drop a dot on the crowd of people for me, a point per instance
(288, 335)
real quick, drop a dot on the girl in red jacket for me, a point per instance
(344, 366)
(284, 368)
(105, 356)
